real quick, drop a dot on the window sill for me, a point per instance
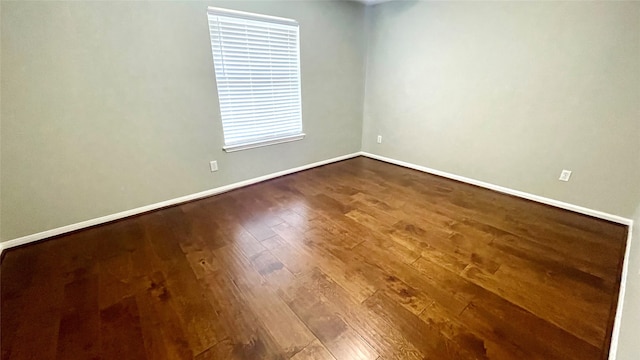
(285, 139)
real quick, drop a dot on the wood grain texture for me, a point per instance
(353, 260)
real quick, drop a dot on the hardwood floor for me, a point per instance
(353, 260)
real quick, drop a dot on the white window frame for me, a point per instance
(231, 121)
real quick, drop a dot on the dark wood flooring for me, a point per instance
(353, 260)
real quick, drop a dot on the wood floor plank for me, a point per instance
(277, 318)
(41, 318)
(162, 238)
(455, 301)
(257, 222)
(247, 337)
(222, 350)
(79, 332)
(492, 316)
(15, 283)
(426, 339)
(292, 257)
(161, 326)
(202, 324)
(404, 294)
(121, 335)
(314, 351)
(272, 270)
(115, 279)
(385, 339)
(356, 259)
(326, 324)
(351, 280)
(511, 286)
(480, 345)
(452, 251)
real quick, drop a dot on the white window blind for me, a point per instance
(257, 66)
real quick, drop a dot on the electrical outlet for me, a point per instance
(379, 139)
(565, 175)
(213, 165)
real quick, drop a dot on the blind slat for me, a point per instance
(264, 48)
(262, 115)
(249, 96)
(246, 39)
(260, 131)
(257, 56)
(239, 130)
(279, 132)
(226, 26)
(258, 102)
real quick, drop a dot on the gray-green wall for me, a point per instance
(511, 93)
(109, 106)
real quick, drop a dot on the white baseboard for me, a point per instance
(615, 334)
(123, 214)
(505, 190)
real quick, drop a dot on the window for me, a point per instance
(257, 66)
